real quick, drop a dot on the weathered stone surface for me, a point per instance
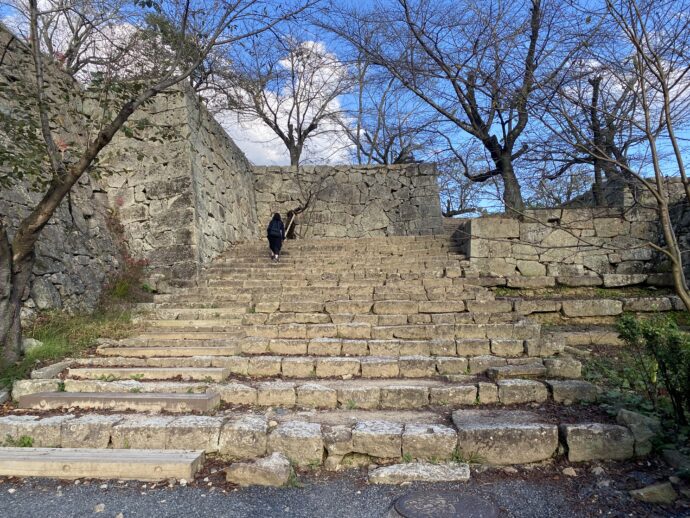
(260, 366)
(359, 397)
(646, 304)
(642, 427)
(380, 368)
(23, 387)
(276, 393)
(618, 280)
(503, 437)
(313, 395)
(50, 371)
(337, 439)
(494, 227)
(194, 431)
(298, 367)
(89, 431)
(378, 438)
(243, 437)
(402, 200)
(487, 393)
(531, 268)
(595, 441)
(507, 347)
(445, 365)
(141, 432)
(299, 441)
(404, 397)
(592, 308)
(43, 433)
(325, 346)
(563, 367)
(473, 346)
(236, 393)
(421, 441)
(479, 364)
(273, 470)
(419, 472)
(662, 493)
(534, 283)
(572, 391)
(416, 366)
(335, 367)
(526, 370)
(454, 395)
(515, 391)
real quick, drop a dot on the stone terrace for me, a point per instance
(347, 351)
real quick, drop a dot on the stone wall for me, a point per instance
(223, 185)
(76, 252)
(353, 201)
(575, 247)
(680, 216)
(181, 188)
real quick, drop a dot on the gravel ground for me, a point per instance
(521, 494)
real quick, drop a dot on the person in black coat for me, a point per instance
(276, 235)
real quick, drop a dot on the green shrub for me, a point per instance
(663, 353)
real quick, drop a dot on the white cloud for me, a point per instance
(320, 76)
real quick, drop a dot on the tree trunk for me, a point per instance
(679, 283)
(512, 195)
(598, 187)
(294, 156)
(14, 281)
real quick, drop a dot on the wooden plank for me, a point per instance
(72, 463)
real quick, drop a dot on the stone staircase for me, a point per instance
(345, 352)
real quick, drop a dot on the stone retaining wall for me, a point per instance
(183, 199)
(574, 246)
(76, 252)
(353, 201)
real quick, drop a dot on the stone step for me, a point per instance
(324, 323)
(222, 296)
(345, 249)
(302, 366)
(122, 401)
(493, 436)
(149, 373)
(326, 347)
(358, 331)
(181, 313)
(589, 336)
(219, 298)
(349, 273)
(370, 394)
(500, 330)
(121, 464)
(262, 260)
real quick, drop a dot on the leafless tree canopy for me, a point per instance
(161, 45)
(289, 82)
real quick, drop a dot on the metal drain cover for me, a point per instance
(443, 504)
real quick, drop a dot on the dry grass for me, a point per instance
(66, 335)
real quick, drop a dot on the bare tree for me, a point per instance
(392, 127)
(184, 32)
(79, 34)
(476, 63)
(290, 84)
(593, 111)
(645, 63)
